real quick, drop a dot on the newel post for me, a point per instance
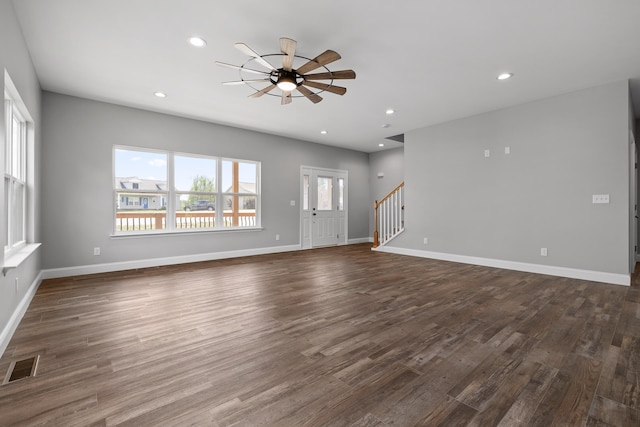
(376, 241)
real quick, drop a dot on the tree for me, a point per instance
(201, 184)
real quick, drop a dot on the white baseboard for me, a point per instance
(360, 240)
(16, 317)
(53, 273)
(595, 276)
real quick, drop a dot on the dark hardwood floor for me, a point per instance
(328, 337)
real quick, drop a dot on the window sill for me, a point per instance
(18, 257)
(185, 232)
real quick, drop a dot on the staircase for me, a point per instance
(389, 216)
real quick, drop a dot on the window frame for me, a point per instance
(201, 194)
(236, 195)
(16, 225)
(173, 194)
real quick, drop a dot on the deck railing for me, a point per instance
(389, 216)
(137, 221)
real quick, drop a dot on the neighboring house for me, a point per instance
(137, 201)
(245, 202)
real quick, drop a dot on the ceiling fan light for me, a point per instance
(286, 84)
(286, 80)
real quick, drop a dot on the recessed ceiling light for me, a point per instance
(197, 41)
(324, 132)
(381, 145)
(390, 111)
(160, 94)
(505, 76)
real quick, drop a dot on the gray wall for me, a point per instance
(391, 163)
(506, 207)
(77, 191)
(15, 59)
(636, 130)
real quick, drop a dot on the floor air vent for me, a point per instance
(20, 369)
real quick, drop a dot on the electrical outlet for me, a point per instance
(507, 150)
(426, 241)
(277, 237)
(543, 251)
(96, 251)
(487, 153)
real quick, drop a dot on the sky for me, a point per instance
(153, 165)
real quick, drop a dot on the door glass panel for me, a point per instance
(305, 193)
(325, 193)
(340, 194)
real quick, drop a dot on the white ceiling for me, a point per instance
(430, 60)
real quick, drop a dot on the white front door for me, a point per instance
(323, 207)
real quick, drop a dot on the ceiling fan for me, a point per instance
(287, 78)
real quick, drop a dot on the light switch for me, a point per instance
(487, 153)
(600, 198)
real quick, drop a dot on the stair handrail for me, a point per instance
(376, 205)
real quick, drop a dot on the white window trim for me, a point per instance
(14, 253)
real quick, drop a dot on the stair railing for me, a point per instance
(389, 216)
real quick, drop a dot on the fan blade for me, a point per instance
(288, 48)
(238, 67)
(329, 88)
(259, 93)
(239, 82)
(248, 51)
(312, 96)
(286, 97)
(327, 57)
(333, 75)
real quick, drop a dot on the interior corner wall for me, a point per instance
(16, 61)
(78, 185)
(391, 164)
(507, 207)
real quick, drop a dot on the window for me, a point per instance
(204, 192)
(325, 193)
(196, 190)
(140, 184)
(340, 194)
(15, 175)
(240, 196)
(305, 193)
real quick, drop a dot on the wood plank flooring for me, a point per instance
(330, 337)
